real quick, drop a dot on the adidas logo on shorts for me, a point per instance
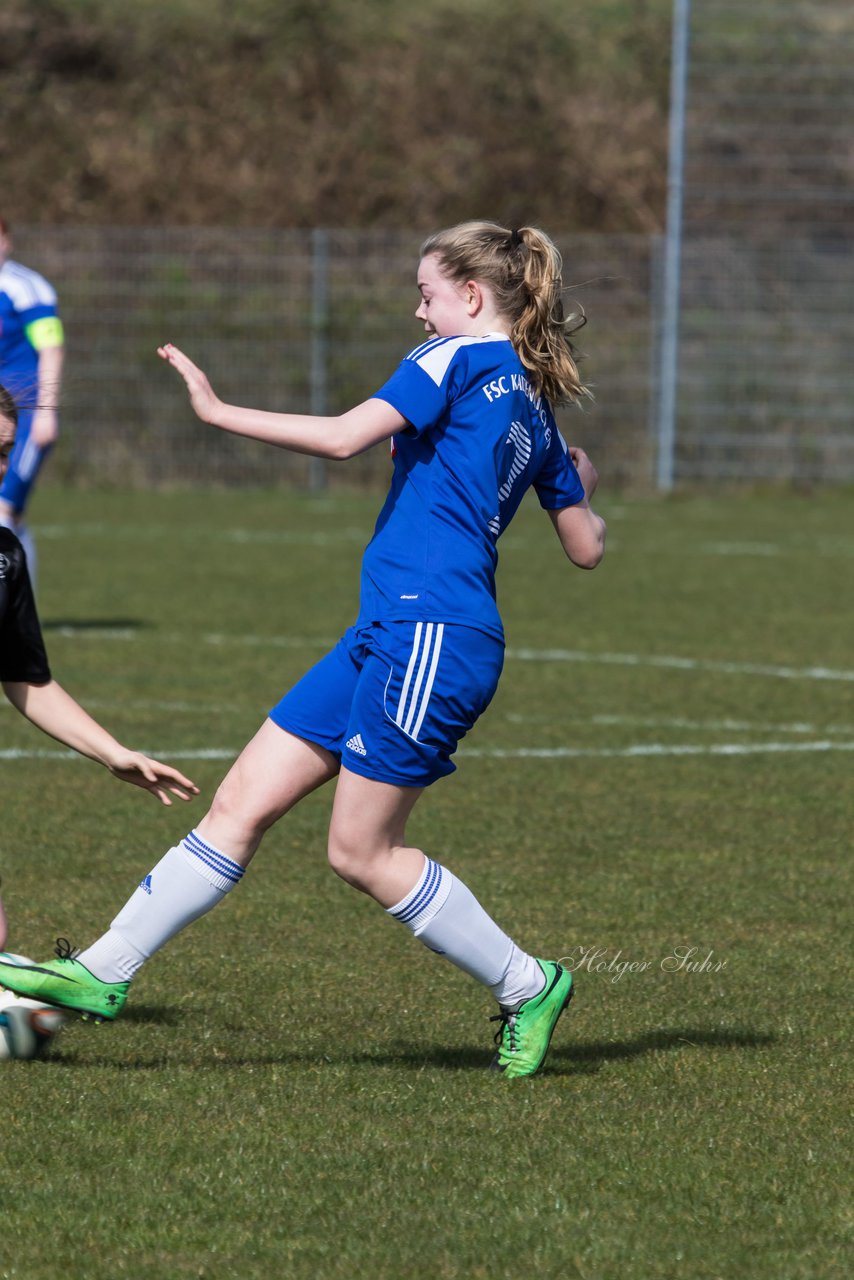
(356, 744)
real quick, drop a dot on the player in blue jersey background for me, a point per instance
(470, 416)
(32, 349)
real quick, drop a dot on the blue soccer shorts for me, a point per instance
(25, 461)
(393, 699)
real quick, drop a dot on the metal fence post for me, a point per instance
(656, 266)
(669, 368)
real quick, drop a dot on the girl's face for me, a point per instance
(445, 305)
(7, 439)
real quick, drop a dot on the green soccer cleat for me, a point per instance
(63, 982)
(525, 1033)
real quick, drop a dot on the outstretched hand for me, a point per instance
(159, 779)
(202, 397)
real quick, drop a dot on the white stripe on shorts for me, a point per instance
(431, 676)
(406, 679)
(418, 698)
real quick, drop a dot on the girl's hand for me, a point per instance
(587, 473)
(159, 779)
(202, 398)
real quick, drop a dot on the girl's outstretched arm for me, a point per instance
(323, 437)
(56, 713)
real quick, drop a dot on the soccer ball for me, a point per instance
(26, 1026)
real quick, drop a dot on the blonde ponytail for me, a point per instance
(523, 269)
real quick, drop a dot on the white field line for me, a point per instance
(580, 656)
(741, 549)
(511, 717)
(822, 545)
(156, 704)
(679, 664)
(681, 722)
(651, 749)
(276, 537)
(828, 548)
(216, 639)
(200, 753)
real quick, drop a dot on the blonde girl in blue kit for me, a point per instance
(470, 416)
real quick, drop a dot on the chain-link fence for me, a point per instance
(303, 321)
(766, 376)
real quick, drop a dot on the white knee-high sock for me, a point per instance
(446, 916)
(186, 883)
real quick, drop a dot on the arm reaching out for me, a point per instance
(338, 437)
(51, 709)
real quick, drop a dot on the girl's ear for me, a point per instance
(473, 294)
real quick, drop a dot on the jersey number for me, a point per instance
(521, 445)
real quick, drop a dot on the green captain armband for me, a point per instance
(47, 332)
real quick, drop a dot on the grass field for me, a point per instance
(661, 791)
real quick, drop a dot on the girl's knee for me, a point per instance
(350, 860)
(229, 809)
(342, 857)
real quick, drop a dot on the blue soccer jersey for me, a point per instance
(26, 299)
(480, 436)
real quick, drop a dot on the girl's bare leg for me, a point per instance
(368, 848)
(272, 773)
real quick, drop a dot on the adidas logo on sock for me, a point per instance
(356, 744)
(146, 884)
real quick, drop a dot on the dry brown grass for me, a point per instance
(292, 114)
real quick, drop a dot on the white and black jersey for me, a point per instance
(22, 651)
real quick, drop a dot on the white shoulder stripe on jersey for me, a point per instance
(417, 352)
(437, 357)
(26, 288)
